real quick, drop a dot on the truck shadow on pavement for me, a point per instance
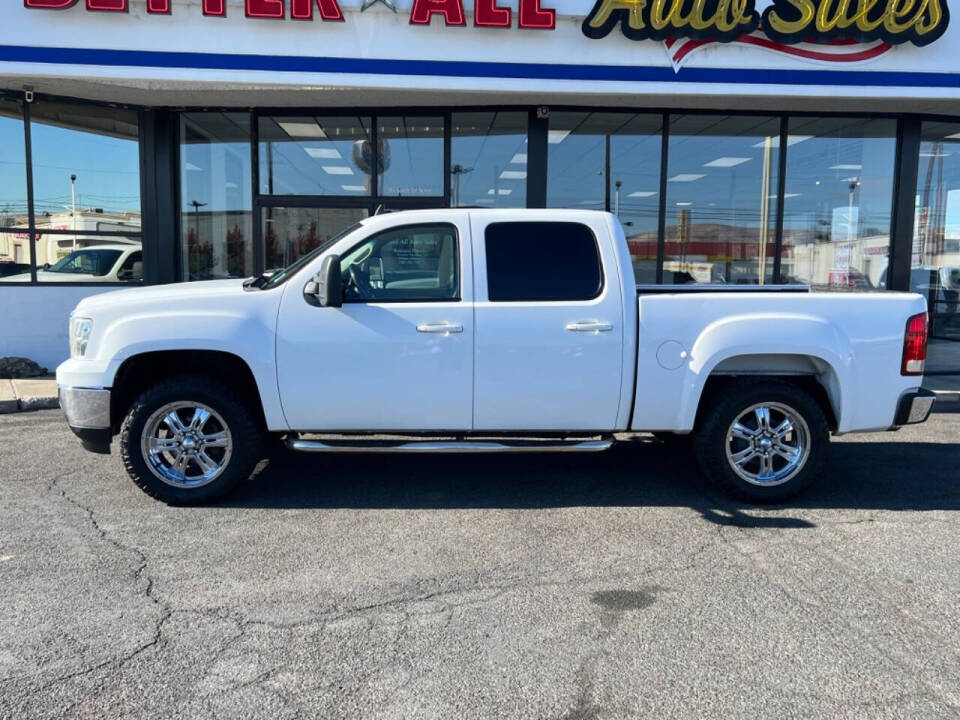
(643, 472)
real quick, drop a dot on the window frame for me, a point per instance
(601, 288)
(458, 259)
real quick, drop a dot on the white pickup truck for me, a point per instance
(484, 331)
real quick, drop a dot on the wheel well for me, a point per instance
(139, 372)
(717, 383)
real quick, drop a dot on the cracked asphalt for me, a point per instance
(608, 586)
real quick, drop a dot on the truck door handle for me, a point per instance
(594, 326)
(442, 328)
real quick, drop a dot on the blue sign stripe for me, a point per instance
(460, 68)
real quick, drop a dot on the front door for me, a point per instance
(549, 344)
(399, 354)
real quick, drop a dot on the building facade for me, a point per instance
(792, 141)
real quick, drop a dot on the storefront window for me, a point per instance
(86, 178)
(721, 199)
(289, 233)
(13, 178)
(486, 146)
(580, 148)
(411, 156)
(839, 195)
(215, 195)
(316, 155)
(935, 266)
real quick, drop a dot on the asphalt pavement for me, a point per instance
(600, 586)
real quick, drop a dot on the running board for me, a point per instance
(452, 446)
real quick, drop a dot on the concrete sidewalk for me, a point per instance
(31, 394)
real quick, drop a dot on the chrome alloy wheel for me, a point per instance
(186, 444)
(768, 444)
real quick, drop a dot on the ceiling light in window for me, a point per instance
(684, 204)
(354, 188)
(326, 153)
(955, 136)
(686, 177)
(846, 167)
(513, 175)
(725, 162)
(932, 154)
(302, 129)
(775, 141)
(337, 170)
(853, 178)
(786, 195)
(555, 137)
(192, 168)
(499, 191)
(643, 193)
(519, 159)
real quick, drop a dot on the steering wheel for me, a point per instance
(360, 281)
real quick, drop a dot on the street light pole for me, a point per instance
(73, 210)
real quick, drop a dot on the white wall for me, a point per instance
(34, 321)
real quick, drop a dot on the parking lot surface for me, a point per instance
(608, 586)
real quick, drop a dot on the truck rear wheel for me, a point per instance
(763, 441)
(189, 440)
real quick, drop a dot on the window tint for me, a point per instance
(542, 261)
(405, 264)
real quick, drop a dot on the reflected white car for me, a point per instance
(94, 264)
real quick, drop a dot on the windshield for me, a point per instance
(283, 275)
(86, 262)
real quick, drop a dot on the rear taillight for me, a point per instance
(915, 346)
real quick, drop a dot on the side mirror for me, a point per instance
(326, 288)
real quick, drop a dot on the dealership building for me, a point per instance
(738, 141)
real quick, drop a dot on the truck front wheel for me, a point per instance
(189, 440)
(764, 441)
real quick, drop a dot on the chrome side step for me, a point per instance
(452, 446)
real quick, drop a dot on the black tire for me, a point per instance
(245, 431)
(728, 405)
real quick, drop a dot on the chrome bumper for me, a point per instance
(86, 408)
(914, 407)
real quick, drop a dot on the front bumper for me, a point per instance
(88, 415)
(914, 407)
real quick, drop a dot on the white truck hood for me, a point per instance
(157, 295)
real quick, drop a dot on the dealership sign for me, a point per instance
(830, 31)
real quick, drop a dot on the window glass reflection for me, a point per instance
(86, 176)
(489, 160)
(13, 172)
(635, 149)
(289, 233)
(721, 199)
(837, 204)
(579, 144)
(410, 156)
(215, 206)
(935, 265)
(315, 155)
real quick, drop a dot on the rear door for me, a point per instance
(549, 325)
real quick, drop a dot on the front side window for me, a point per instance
(530, 261)
(416, 263)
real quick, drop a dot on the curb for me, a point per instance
(14, 399)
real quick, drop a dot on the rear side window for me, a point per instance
(542, 261)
